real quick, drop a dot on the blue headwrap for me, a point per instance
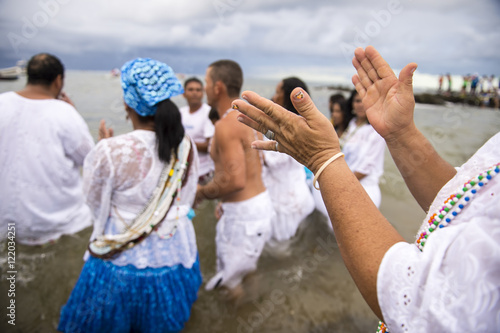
(146, 82)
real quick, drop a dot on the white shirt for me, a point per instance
(42, 145)
(200, 128)
(364, 151)
(453, 285)
(285, 180)
(119, 176)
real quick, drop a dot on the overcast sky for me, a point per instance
(271, 38)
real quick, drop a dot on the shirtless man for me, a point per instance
(245, 223)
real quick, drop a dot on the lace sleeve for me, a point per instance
(97, 181)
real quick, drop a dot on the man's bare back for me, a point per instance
(237, 165)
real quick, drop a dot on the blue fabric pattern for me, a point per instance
(146, 82)
(115, 299)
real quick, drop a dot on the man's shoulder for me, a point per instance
(230, 126)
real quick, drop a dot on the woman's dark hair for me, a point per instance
(335, 98)
(213, 115)
(350, 100)
(346, 115)
(168, 128)
(349, 104)
(289, 84)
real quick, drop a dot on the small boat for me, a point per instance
(10, 73)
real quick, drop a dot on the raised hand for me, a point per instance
(309, 137)
(104, 132)
(389, 101)
(65, 98)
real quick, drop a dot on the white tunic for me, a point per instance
(42, 145)
(200, 128)
(454, 284)
(285, 180)
(364, 151)
(119, 176)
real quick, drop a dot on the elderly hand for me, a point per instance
(308, 137)
(388, 101)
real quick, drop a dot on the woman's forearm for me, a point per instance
(362, 232)
(423, 170)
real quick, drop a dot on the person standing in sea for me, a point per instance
(43, 143)
(198, 125)
(245, 224)
(285, 179)
(143, 271)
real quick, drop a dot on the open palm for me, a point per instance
(388, 101)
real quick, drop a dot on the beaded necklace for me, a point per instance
(451, 208)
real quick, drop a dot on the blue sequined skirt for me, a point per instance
(109, 298)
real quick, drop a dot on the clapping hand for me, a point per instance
(104, 132)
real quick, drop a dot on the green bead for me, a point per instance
(459, 196)
(426, 236)
(436, 222)
(452, 202)
(441, 216)
(465, 189)
(473, 183)
(480, 177)
(447, 209)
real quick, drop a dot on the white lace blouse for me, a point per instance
(454, 284)
(119, 176)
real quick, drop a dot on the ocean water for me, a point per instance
(308, 291)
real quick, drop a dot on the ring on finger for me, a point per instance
(270, 134)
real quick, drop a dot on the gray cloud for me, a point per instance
(266, 37)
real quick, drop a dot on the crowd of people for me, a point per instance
(484, 90)
(139, 191)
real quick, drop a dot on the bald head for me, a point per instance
(43, 69)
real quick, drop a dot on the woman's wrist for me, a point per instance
(317, 161)
(402, 136)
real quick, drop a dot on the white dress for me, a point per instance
(285, 180)
(364, 151)
(200, 128)
(42, 146)
(119, 176)
(453, 285)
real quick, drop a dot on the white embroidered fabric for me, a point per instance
(454, 284)
(43, 143)
(120, 175)
(285, 180)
